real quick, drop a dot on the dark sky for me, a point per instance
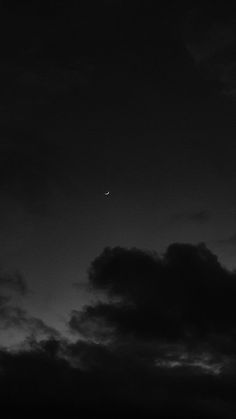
(126, 299)
(108, 96)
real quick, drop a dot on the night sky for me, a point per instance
(140, 101)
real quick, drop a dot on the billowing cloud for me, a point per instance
(157, 342)
(184, 295)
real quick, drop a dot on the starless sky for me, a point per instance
(107, 96)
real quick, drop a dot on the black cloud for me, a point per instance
(159, 343)
(184, 295)
(106, 383)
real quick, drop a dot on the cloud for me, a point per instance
(15, 318)
(156, 346)
(198, 217)
(229, 240)
(210, 38)
(185, 295)
(13, 282)
(170, 321)
(113, 384)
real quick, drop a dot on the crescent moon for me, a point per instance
(107, 193)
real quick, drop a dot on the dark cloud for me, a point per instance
(232, 240)
(13, 282)
(185, 295)
(18, 319)
(157, 343)
(210, 38)
(15, 318)
(106, 383)
(198, 217)
(169, 319)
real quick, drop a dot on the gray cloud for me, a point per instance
(17, 318)
(231, 240)
(210, 38)
(198, 217)
(13, 282)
